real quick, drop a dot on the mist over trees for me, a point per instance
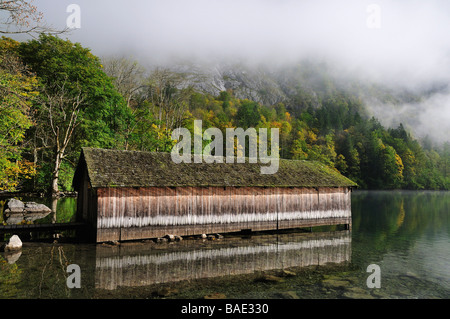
(57, 97)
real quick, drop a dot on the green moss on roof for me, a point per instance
(116, 168)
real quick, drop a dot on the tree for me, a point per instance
(349, 163)
(341, 164)
(248, 114)
(168, 94)
(128, 79)
(17, 92)
(392, 167)
(79, 105)
(62, 109)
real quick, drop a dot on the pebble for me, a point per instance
(287, 295)
(216, 295)
(270, 278)
(357, 293)
(335, 283)
(289, 273)
(165, 292)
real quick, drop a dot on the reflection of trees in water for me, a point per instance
(43, 270)
(123, 267)
(59, 274)
(393, 219)
(10, 276)
(63, 209)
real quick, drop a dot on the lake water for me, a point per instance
(404, 233)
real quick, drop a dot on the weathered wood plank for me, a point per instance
(216, 209)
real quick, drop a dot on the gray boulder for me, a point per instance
(17, 211)
(14, 206)
(31, 207)
(13, 244)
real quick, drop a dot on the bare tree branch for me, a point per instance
(22, 17)
(63, 108)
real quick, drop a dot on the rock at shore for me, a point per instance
(32, 207)
(13, 244)
(14, 206)
(17, 211)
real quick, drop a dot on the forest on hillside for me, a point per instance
(57, 97)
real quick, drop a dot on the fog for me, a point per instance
(401, 43)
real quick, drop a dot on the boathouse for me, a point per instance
(130, 195)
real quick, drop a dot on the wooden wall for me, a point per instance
(87, 204)
(137, 213)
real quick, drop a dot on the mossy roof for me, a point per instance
(117, 168)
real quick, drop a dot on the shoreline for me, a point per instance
(36, 194)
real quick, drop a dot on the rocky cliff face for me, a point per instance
(254, 83)
(263, 83)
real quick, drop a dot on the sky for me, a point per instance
(398, 42)
(397, 37)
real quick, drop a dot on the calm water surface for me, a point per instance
(407, 234)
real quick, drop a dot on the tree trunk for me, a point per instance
(55, 175)
(54, 207)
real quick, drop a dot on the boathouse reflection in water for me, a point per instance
(144, 264)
